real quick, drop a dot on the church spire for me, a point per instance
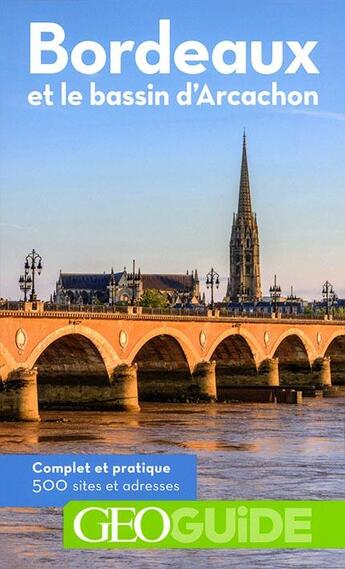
(244, 200)
(245, 282)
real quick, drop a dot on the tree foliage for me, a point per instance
(154, 299)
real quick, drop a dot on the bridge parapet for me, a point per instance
(197, 312)
(141, 314)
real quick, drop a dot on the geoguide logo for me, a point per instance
(209, 524)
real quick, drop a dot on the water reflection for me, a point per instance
(244, 451)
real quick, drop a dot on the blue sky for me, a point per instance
(92, 188)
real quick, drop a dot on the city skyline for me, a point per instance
(95, 188)
(42, 282)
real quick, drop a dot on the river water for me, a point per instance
(244, 451)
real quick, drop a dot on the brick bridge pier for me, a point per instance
(112, 360)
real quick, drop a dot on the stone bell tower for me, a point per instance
(245, 281)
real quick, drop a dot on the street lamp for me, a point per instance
(329, 296)
(212, 278)
(112, 287)
(275, 294)
(33, 263)
(291, 299)
(25, 283)
(135, 278)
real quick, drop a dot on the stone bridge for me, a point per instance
(113, 360)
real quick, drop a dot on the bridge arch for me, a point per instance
(237, 355)
(74, 365)
(335, 349)
(335, 338)
(185, 344)
(306, 342)
(165, 359)
(106, 351)
(249, 339)
(296, 354)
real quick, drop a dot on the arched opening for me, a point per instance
(235, 365)
(336, 351)
(163, 371)
(294, 365)
(71, 373)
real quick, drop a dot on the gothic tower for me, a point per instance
(244, 282)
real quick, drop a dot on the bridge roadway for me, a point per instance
(103, 360)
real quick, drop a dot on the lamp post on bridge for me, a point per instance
(291, 299)
(275, 294)
(212, 279)
(33, 263)
(135, 278)
(329, 297)
(112, 287)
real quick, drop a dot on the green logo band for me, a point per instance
(201, 525)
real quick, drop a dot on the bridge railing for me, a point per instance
(175, 311)
(95, 308)
(223, 312)
(198, 311)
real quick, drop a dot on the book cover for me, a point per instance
(172, 297)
